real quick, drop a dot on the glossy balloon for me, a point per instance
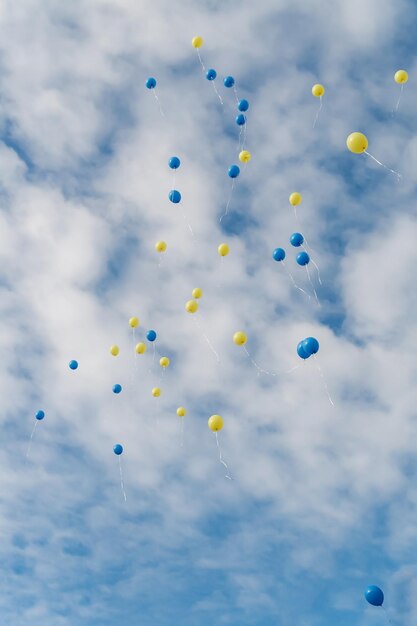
(156, 392)
(223, 249)
(134, 322)
(317, 90)
(278, 254)
(197, 293)
(245, 156)
(243, 105)
(311, 345)
(73, 365)
(191, 306)
(211, 74)
(302, 258)
(117, 388)
(151, 83)
(301, 351)
(401, 77)
(40, 415)
(175, 196)
(140, 348)
(215, 423)
(160, 246)
(114, 350)
(357, 142)
(118, 449)
(295, 198)
(197, 42)
(164, 361)
(240, 338)
(174, 163)
(181, 411)
(240, 119)
(151, 335)
(234, 171)
(296, 240)
(229, 81)
(374, 595)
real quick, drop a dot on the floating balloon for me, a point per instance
(40, 415)
(317, 90)
(140, 348)
(160, 246)
(357, 142)
(118, 449)
(181, 411)
(164, 361)
(311, 345)
(234, 171)
(296, 240)
(401, 77)
(223, 249)
(191, 306)
(156, 392)
(240, 338)
(174, 163)
(211, 74)
(175, 196)
(114, 350)
(215, 423)
(134, 322)
(197, 293)
(278, 254)
(295, 198)
(151, 83)
(302, 258)
(151, 335)
(301, 351)
(229, 81)
(243, 105)
(245, 156)
(197, 42)
(73, 365)
(117, 388)
(374, 595)
(240, 119)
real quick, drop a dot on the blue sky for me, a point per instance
(323, 499)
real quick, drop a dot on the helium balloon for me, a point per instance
(278, 254)
(134, 322)
(181, 411)
(240, 119)
(197, 293)
(301, 351)
(160, 246)
(114, 350)
(357, 142)
(151, 335)
(191, 306)
(197, 42)
(164, 361)
(118, 449)
(174, 163)
(317, 90)
(244, 156)
(229, 81)
(311, 345)
(243, 105)
(401, 77)
(296, 240)
(240, 338)
(140, 348)
(156, 392)
(234, 171)
(117, 388)
(174, 196)
(374, 595)
(73, 365)
(40, 415)
(211, 74)
(151, 83)
(223, 249)
(302, 258)
(295, 198)
(215, 423)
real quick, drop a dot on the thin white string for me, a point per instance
(260, 370)
(235, 92)
(397, 174)
(386, 614)
(294, 283)
(399, 98)
(121, 477)
(229, 200)
(217, 93)
(312, 286)
(201, 61)
(31, 437)
(323, 379)
(221, 458)
(207, 339)
(159, 103)
(182, 430)
(187, 222)
(317, 268)
(240, 137)
(318, 112)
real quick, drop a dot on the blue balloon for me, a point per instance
(243, 105)
(301, 351)
(296, 240)
(151, 335)
(374, 595)
(174, 196)
(278, 254)
(311, 345)
(151, 83)
(229, 81)
(73, 365)
(234, 171)
(302, 258)
(240, 120)
(174, 163)
(117, 388)
(118, 449)
(40, 415)
(211, 74)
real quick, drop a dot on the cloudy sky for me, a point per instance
(323, 498)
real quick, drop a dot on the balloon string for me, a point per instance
(207, 339)
(221, 458)
(312, 286)
(294, 283)
(235, 92)
(159, 104)
(217, 93)
(387, 168)
(318, 112)
(201, 60)
(229, 200)
(30, 440)
(153, 358)
(182, 431)
(318, 271)
(260, 370)
(399, 98)
(386, 614)
(121, 479)
(240, 137)
(323, 379)
(187, 222)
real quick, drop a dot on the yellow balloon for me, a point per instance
(223, 249)
(191, 306)
(317, 90)
(156, 392)
(357, 142)
(134, 322)
(295, 198)
(197, 293)
(160, 246)
(181, 411)
(114, 350)
(197, 42)
(401, 77)
(215, 423)
(164, 361)
(245, 156)
(240, 338)
(140, 348)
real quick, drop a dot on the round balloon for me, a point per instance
(278, 254)
(156, 392)
(160, 246)
(295, 198)
(229, 81)
(211, 74)
(234, 171)
(118, 449)
(301, 350)
(244, 156)
(151, 83)
(215, 423)
(401, 77)
(191, 306)
(302, 258)
(181, 411)
(151, 335)
(197, 42)
(374, 595)
(114, 350)
(240, 338)
(40, 415)
(164, 361)
(134, 322)
(174, 163)
(175, 196)
(357, 142)
(296, 240)
(73, 365)
(117, 388)
(243, 105)
(311, 345)
(223, 249)
(240, 119)
(197, 293)
(140, 348)
(317, 90)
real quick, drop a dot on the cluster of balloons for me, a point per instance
(307, 347)
(191, 306)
